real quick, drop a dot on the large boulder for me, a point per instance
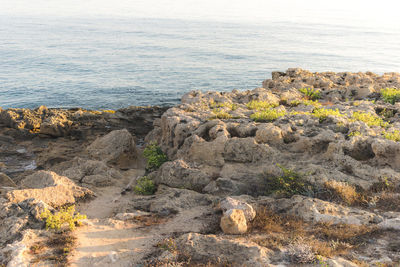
(117, 147)
(269, 133)
(49, 187)
(17, 217)
(231, 203)
(180, 174)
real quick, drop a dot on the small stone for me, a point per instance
(234, 222)
(230, 204)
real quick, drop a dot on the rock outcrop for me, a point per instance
(273, 176)
(205, 248)
(117, 147)
(52, 189)
(79, 123)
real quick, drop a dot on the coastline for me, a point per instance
(301, 171)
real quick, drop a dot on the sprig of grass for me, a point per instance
(310, 93)
(288, 184)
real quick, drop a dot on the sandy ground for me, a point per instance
(104, 241)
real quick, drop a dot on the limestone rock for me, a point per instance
(6, 181)
(231, 203)
(174, 200)
(179, 174)
(57, 125)
(14, 254)
(393, 223)
(117, 147)
(91, 172)
(316, 210)
(269, 133)
(340, 262)
(234, 222)
(205, 248)
(11, 227)
(245, 150)
(222, 186)
(52, 189)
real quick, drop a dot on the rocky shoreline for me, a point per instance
(304, 170)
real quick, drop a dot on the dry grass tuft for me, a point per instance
(386, 195)
(37, 248)
(268, 221)
(146, 221)
(350, 233)
(55, 249)
(276, 231)
(343, 193)
(180, 259)
(388, 201)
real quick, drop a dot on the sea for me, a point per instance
(110, 63)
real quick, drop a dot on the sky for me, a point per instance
(363, 12)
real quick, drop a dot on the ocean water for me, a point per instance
(109, 63)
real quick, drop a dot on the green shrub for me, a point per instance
(289, 184)
(310, 93)
(220, 114)
(64, 216)
(323, 113)
(267, 115)
(145, 186)
(390, 95)
(355, 133)
(369, 119)
(231, 106)
(155, 156)
(393, 135)
(260, 105)
(387, 113)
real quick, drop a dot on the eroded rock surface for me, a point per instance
(50, 188)
(233, 144)
(205, 248)
(117, 147)
(263, 177)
